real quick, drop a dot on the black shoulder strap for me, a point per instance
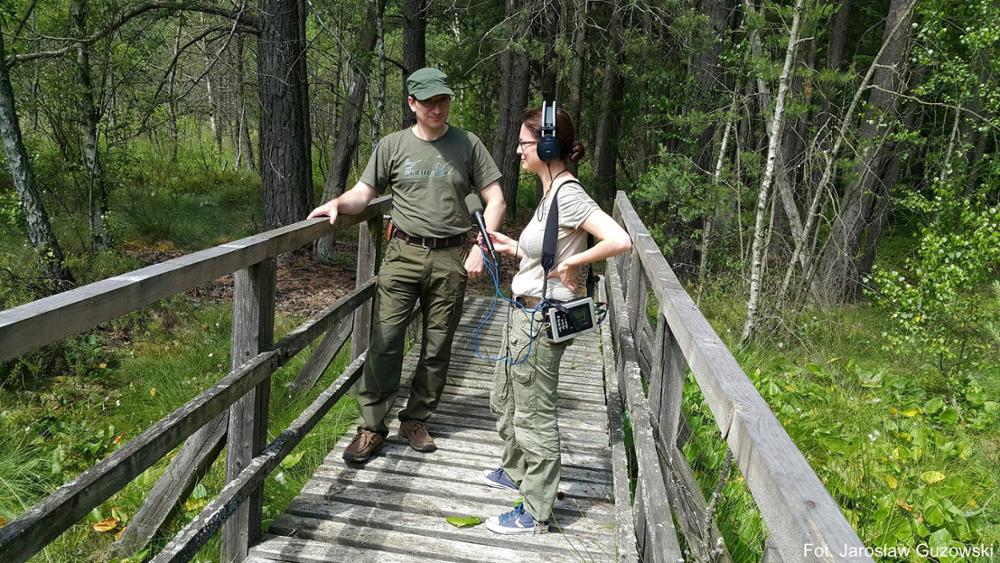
(552, 236)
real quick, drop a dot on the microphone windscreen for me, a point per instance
(473, 204)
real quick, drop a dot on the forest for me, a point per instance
(822, 175)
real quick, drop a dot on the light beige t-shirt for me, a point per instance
(430, 179)
(574, 208)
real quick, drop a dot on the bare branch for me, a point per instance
(247, 21)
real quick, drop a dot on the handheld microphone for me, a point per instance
(475, 208)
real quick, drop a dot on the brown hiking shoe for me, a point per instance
(363, 446)
(415, 432)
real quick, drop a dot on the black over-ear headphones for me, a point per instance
(548, 144)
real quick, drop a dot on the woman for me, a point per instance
(524, 395)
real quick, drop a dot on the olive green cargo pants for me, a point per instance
(408, 273)
(524, 398)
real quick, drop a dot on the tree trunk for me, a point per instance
(837, 274)
(380, 81)
(214, 121)
(244, 144)
(96, 188)
(514, 76)
(40, 233)
(830, 158)
(761, 235)
(574, 86)
(348, 130)
(608, 124)
(709, 74)
(549, 65)
(172, 97)
(414, 48)
(283, 152)
(838, 36)
(303, 72)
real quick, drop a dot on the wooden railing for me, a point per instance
(803, 521)
(239, 399)
(796, 508)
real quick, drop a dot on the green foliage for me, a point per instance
(905, 466)
(674, 193)
(932, 298)
(56, 428)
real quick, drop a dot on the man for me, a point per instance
(429, 168)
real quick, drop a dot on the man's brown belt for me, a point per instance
(431, 243)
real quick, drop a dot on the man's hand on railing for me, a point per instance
(328, 209)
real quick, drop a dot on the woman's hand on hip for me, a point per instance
(568, 276)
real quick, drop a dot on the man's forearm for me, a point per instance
(493, 214)
(355, 200)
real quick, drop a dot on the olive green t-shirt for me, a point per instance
(430, 179)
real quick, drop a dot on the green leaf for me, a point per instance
(934, 405)
(934, 515)
(199, 492)
(948, 416)
(939, 539)
(931, 477)
(293, 459)
(464, 521)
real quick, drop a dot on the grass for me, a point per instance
(58, 427)
(904, 464)
(67, 407)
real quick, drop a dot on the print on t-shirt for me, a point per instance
(440, 168)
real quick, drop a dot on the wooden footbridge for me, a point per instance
(627, 494)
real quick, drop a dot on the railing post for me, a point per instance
(253, 333)
(666, 383)
(369, 256)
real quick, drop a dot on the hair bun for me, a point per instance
(577, 151)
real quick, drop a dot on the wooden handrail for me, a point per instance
(48, 320)
(44, 521)
(51, 319)
(188, 541)
(796, 507)
(651, 491)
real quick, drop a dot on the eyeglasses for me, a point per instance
(524, 144)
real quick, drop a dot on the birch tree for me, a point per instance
(774, 138)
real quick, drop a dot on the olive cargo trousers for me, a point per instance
(408, 273)
(524, 397)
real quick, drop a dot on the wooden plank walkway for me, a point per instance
(394, 509)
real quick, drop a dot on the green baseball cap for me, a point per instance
(428, 82)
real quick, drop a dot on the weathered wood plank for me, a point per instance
(458, 395)
(369, 250)
(185, 470)
(473, 417)
(321, 358)
(190, 539)
(253, 332)
(465, 464)
(793, 502)
(690, 507)
(581, 514)
(451, 474)
(476, 543)
(625, 537)
(47, 519)
(572, 439)
(51, 319)
(661, 536)
(296, 550)
(434, 525)
(588, 460)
